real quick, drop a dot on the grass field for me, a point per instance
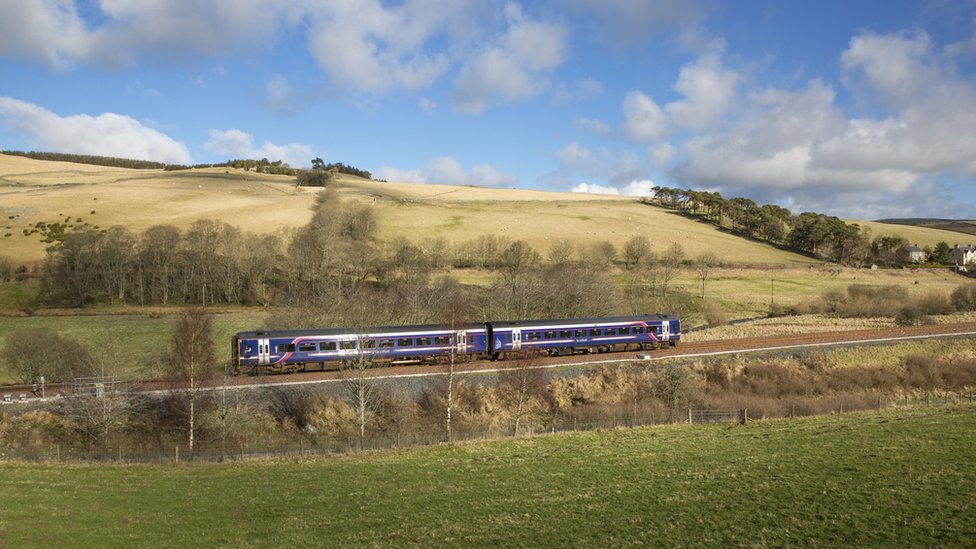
(899, 478)
(121, 342)
(34, 191)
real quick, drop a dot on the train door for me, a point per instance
(264, 352)
(665, 331)
(516, 339)
(462, 342)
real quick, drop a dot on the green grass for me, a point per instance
(122, 341)
(900, 478)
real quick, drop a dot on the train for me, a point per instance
(289, 351)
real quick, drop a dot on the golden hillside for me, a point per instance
(33, 191)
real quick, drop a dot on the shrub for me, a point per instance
(911, 315)
(715, 315)
(935, 303)
(964, 297)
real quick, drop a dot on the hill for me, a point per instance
(892, 478)
(86, 196)
(954, 225)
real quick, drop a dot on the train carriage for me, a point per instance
(299, 350)
(584, 335)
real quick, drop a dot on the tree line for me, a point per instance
(333, 271)
(814, 234)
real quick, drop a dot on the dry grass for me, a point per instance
(805, 324)
(35, 190)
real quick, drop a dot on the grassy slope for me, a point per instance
(896, 478)
(34, 190)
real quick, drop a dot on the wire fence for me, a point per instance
(310, 446)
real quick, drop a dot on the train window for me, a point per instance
(306, 347)
(470, 340)
(638, 329)
(423, 341)
(656, 329)
(609, 332)
(405, 342)
(386, 344)
(565, 333)
(347, 345)
(442, 340)
(594, 332)
(580, 333)
(624, 331)
(532, 336)
(550, 335)
(368, 343)
(285, 348)
(327, 346)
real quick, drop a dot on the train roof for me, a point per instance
(366, 331)
(583, 321)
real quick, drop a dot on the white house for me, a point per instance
(963, 255)
(916, 254)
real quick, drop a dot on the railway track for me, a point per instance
(686, 349)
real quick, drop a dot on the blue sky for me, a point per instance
(862, 109)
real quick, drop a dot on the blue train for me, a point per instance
(271, 352)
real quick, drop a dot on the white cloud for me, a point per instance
(235, 143)
(593, 188)
(49, 31)
(581, 90)
(54, 31)
(427, 106)
(634, 188)
(368, 47)
(595, 127)
(708, 91)
(514, 67)
(278, 95)
(448, 171)
(107, 134)
(629, 23)
(644, 120)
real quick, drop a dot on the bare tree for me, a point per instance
(36, 352)
(670, 264)
(637, 250)
(192, 363)
(455, 310)
(359, 384)
(673, 385)
(518, 386)
(561, 251)
(704, 264)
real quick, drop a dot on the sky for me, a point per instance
(861, 109)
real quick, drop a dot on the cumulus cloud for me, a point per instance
(643, 119)
(708, 91)
(447, 170)
(618, 168)
(634, 188)
(235, 143)
(278, 95)
(919, 127)
(54, 31)
(107, 134)
(626, 23)
(372, 48)
(513, 67)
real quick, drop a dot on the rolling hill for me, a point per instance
(33, 191)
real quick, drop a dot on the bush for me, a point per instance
(715, 315)
(964, 297)
(911, 315)
(935, 303)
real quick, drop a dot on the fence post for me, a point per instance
(745, 415)
(176, 455)
(689, 416)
